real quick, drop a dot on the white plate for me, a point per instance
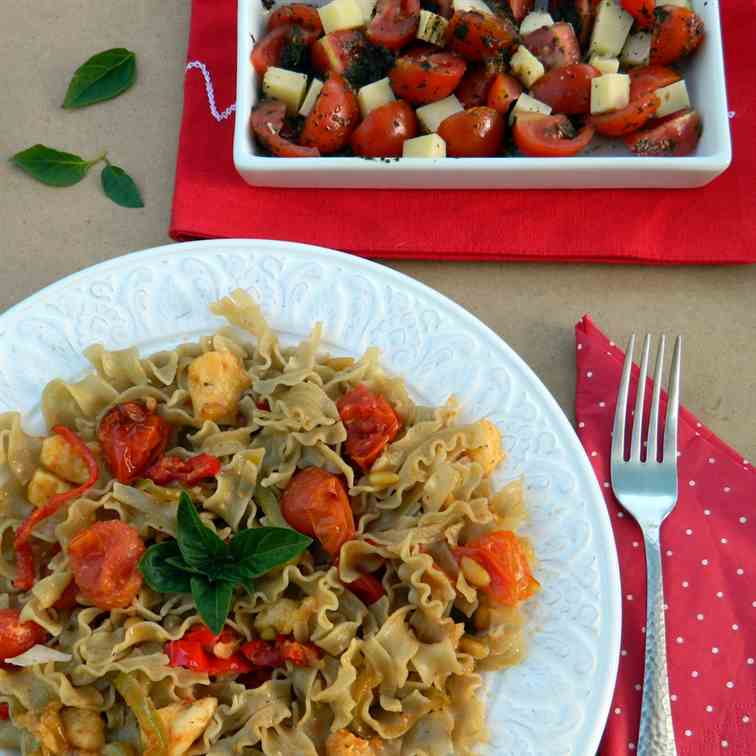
(610, 166)
(557, 700)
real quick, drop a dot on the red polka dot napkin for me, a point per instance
(709, 568)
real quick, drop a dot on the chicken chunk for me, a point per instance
(216, 382)
(84, 729)
(43, 486)
(58, 456)
(343, 743)
(185, 723)
(491, 453)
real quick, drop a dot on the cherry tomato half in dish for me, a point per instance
(677, 33)
(641, 10)
(394, 24)
(305, 16)
(504, 90)
(555, 46)
(477, 132)
(384, 130)
(333, 118)
(538, 135)
(475, 84)
(674, 136)
(568, 89)
(338, 51)
(316, 503)
(424, 77)
(520, 9)
(287, 43)
(170, 469)
(479, 36)
(630, 118)
(131, 437)
(370, 422)
(267, 123)
(16, 637)
(104, 560)
(650, 78)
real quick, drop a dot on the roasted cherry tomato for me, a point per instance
(631, 118)
(132, 437)
(267, 123)
(4, 712)
(424, 77)
(384, 130)
(67, 599)
(442, 8)
(16, 636)
(333, 118)
(504, 90)
(502, 556)
(305, 16)
(473, 133)
(520, 9)
(196, 651)
(538, 135)
(370, 422)
(568, 89)
(367, 588)
(395, 23)
(677, 33)
(262, 653)
(642, 11)
(473, 89)
(299, 654)
(104, 559)
(190, 471)
(338, 51)
(316, 503)
(675, 136)
(479, 36)
(555, 46)
(649, 79)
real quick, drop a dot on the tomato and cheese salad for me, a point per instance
(240, 547)
(475, 78)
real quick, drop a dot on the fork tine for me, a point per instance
(618, 433)
(635, 441)
(673, 404)
(653, 420)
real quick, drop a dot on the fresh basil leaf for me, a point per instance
(233, 572)
(160, 572)
(262, 549)
(120, 187)
(52, 167)
(102, 77)
(200, 547)
(213, 600)
(179, 563)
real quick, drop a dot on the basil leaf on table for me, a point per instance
(159, 571)
(102, 77)
(262, 549)
(53, 167)
(120, 187)
(200, 547)
(213, 600)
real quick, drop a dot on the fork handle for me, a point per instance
(657, 735)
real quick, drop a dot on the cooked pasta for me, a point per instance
(359, 569)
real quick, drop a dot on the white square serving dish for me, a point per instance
(609, 166)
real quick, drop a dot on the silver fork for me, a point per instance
(646, 485)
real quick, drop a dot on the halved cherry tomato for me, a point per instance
(132, 437)
(628, 119)
(303, 15)
(642, 11)
(267, 51)
(4, 712)
(190, 471)
(267, 123)
(338, 50)
(475, 84)
(473, 133)
(316, 503)
(262, 653)
(367, 588)
(649, 79)
(538, 135)
(384, 130)
(395, 23)
(504, 90)
(16, 637)
(579, 13)
(67, 599)
(479, 36)
(370, 422)
(333, 118)
(567, 89)
(442, 8)
(426, 77)
(555, 46)
(502, 556)
(677, 33)
(520, 9)
(675, 136)
(104, 559)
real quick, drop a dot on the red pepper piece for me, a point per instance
(262, 654)
(367, 588)
(195, 651)
(299, 654)
(190, 471)
(4, 712)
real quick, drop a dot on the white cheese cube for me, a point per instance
(341, 14)
(611, 29)
(310, 98)
(432, 28)
(535, 20)
(527, 104)
(287, 86)
(605, 65)
(609, 92)
(470, 5)
(428, 146)
(672, 98)
(679, 3)
(368, 6)
(526, 67)
(372, 96)
(431, 116)
(637, 50)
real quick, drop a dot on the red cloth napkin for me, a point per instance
(709, 568)
(716, 224)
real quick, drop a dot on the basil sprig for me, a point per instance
(102, 77)
(201, 563)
